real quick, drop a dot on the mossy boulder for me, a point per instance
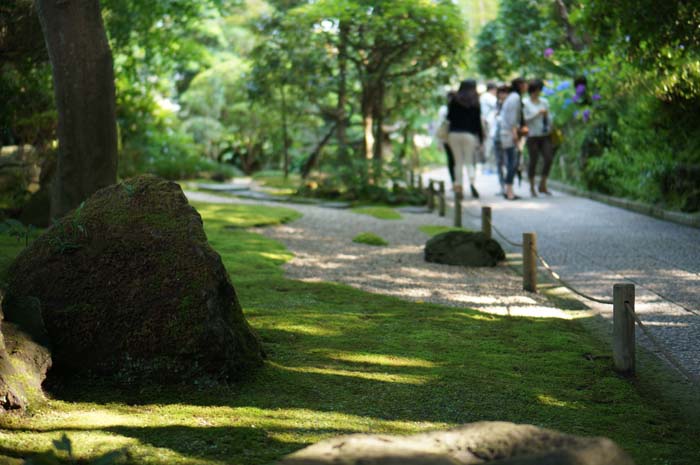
(24, 361)
(130, 288)
(463, 248)
(484, 442)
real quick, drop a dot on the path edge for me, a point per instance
(686, 219)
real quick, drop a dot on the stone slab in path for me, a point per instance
(233, 187)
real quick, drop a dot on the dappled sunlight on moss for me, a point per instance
(383, 377)
(553, 402)
(381, 359)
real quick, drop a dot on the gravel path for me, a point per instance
(322, 244)
(593, 246)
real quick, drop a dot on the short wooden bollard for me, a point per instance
(623, 328)
(441, 199)
(431, 195)
(458, 210)
(486, 221)
(530, 262)
(412, 179)
(420, 181)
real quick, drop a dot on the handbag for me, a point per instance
(556, 137)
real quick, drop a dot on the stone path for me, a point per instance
(322, 244)
(589, 244)
(593, 246)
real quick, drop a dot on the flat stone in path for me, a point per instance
(336, 205)
(413, 209)
(234, 187)
(500, 443)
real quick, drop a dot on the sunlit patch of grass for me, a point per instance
(433, 229)
(344, 361)
(244, 216)
(369, 238)
(382, 213)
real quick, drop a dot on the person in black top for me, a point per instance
(466, 133)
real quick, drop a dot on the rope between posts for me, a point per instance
(569, 286)
(494, 228)
(667, 355)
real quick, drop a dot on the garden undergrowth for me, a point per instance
(343, 361)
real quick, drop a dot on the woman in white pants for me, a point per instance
(466, 134)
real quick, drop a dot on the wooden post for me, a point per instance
(486, 221)
(623, 328)
(530, 262)
(458, 209)
(420, 181)
(431, 195)
(442, 198)
(412, 179)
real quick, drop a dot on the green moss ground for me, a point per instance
(369, 239)
(343, 361)
(382, 213)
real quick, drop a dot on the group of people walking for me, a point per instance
(497, 125)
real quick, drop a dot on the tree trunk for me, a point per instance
(368, 123)
(83, 78)
(285, 136)
(313, 158)
(341, 121)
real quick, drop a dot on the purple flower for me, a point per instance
(596, 97)
(576, 98)
(580, 89)
(548, 52)
(586, 115)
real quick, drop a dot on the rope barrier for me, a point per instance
(660, 346)
(672, 360)
(569, 286)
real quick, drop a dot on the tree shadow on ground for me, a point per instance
(343, 361)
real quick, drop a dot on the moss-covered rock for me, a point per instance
(463, 248)
(129, 287)
(24, 361)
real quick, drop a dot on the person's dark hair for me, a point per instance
(516, 83)
(491, 86)
(503, 89)
(467, 96)
(534, 86)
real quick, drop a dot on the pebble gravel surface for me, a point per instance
(321, 241)
(593, 246)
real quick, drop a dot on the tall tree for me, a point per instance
(81, 62)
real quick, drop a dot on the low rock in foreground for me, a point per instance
(475, 443)
(463, 248)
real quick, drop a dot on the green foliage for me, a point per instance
(19, 231)
(370, 239)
